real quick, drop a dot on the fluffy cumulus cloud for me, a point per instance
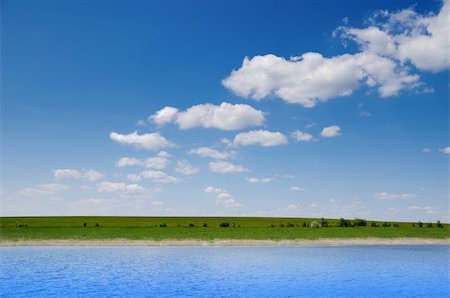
(164, 116)
(223, 198)
(210, 152)
(119, 187)
(260, 137)
(156, 162)
(311, 77)
(392, 40)
(331, 131)
(158, 176)
(224, 167)
(445, 150)
(393, 196)
(406, 36)
(301, 136)
(148, 141)
(185, 168)
(91, 175)
(225, 116)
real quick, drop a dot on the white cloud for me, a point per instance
(386, 46)
(225, 116)
(134, 177)
(445, 150)
(164, 154)
(149, 141)
(185, 168)
(292, 207)
(297, 188)
(120, 187)
(128, 162)
(43, 189)
(393, 196)
(331, 131)
(157, 162)
(223, 198)
(414, 208)
(210, 152)
(260, 137)
(158, 176)
(164, 116)
(254, 180)
(226, 167)
(301, 136)
(407, 36)
(211, 189)
(427, 150)
(310, 77)
(90, 175)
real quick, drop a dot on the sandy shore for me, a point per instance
(231, 242)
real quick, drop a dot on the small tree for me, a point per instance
(420, 224)
(84, 224)
(304, 225)
(374, 224)
(205, 225)
(429, 225)
(323, 222)
(191, 225)
(439, 225)
(281, 225)
(97, 225)
(163, 225)
(290, 225)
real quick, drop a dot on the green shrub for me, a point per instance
(429, 225)
(359, 222)
(386, 225)
(304, 225)
(163, 225)
(205, 225)
(84, 224)
(396, 225)
(290, 225)
(97, 225)
(374, 224)
(272, 225)
(224, 224)
(439, 225)
(191, 225)
(323, 222)
(420, 224)
(344, 223)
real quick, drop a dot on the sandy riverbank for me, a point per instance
(230, 242)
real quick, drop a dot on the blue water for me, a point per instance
(359, 271)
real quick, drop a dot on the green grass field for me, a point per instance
(159, 228)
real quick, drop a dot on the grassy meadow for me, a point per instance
(208, 228)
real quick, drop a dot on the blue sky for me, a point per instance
(260, 108)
